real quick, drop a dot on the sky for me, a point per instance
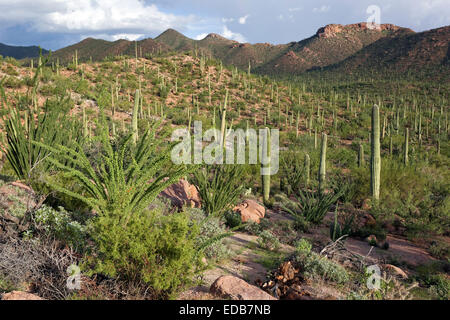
(54, 24)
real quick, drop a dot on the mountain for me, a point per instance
(19, 52)
(417, 51)
(98, 49)
(334, 47)
(331, 44)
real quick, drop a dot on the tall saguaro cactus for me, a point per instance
(307, 168)
(323, 160)
(375, 162)
(134, 121)
(266, 175)
(405, 147)
(223, 124)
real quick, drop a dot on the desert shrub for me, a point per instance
(158, 250)
(315, 266)
(61, 225)
(210, 228)
(40, 262)
(232, 219)
(439, 286)
(268, 240)
(131, 242)
(219, 187)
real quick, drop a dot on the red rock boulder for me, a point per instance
(230, 287)
(250, 210)
(182, 194)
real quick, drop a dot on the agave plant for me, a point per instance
(50, 127)
(313, 206)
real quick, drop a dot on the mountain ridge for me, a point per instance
(331, 45)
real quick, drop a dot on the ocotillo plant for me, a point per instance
(134, 121)
(375, 156)
(323, 160)
(266, 175)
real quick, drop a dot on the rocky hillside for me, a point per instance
(331, 45)
(407, 51)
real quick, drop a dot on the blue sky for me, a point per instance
(56, 23)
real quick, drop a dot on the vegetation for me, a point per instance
(91, 139)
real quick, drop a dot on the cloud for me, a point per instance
(322, 9)
(294, 9)
(243, 20)
(226, 20)
(98, 16)
(227, 33)
(201, 36)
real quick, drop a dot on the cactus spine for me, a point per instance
(375, 156)
(323, 160)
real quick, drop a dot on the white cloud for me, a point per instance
(57, 16)
(243, 20)
(201, 36)
(227, 33)
(226, 20)
(113, 37)
(322, 9)
(294, 9)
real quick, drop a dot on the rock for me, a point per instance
(287, 270)
(230, 287)
(395, 271)
(20, 295)
(250, 210)
(182, 194)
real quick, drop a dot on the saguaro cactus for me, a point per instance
(375, 156)
(405, 147)
(307, 168)
(266, 167)
(323, 160)
(85, 124)
(361, 155)
(134, 121)
(223, 124)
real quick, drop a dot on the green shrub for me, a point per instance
(61, 225)
(210, 228)
(268, 241)
(314, 266)
(159, 250)
(232, 219)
